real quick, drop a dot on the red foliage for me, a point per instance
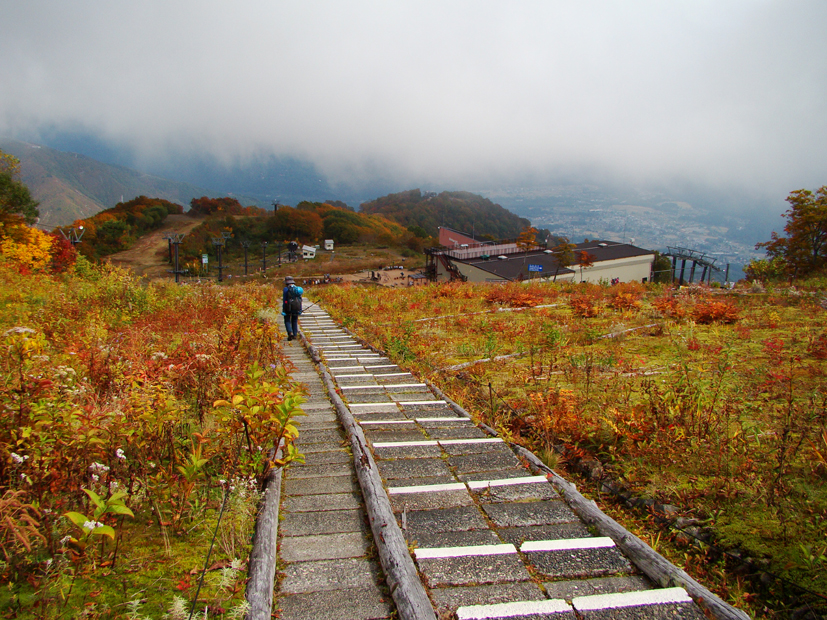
(210, 206)
(818, 347)
(64, 254)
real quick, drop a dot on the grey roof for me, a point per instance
(610, 250)
(516, 266)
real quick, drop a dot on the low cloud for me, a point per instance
(728, 94)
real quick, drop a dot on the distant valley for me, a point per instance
(654, 220)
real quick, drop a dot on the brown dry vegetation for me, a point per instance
(712, 401)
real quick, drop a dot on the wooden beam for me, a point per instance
(261, 570)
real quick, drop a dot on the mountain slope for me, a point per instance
(458, 210)
(70, 186)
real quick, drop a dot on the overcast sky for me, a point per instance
(721, 92)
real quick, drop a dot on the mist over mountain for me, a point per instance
(72, 186)
(725, 223)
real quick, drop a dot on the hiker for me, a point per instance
(291, 307)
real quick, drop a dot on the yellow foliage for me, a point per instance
(28, 247)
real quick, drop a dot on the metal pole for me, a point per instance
(177, 271)
(692, 272)
(218, 243)
(683, 266)
(264, 257)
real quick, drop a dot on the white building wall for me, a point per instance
(635, 268)
(626, 269)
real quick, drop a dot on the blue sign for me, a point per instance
(535, 267)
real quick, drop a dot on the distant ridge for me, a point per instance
(71, 186)
(458, 210)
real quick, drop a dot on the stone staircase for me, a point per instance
(489, 537)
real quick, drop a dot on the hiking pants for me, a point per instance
(291, 324)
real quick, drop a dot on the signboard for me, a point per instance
(205, 258)
(535, 267)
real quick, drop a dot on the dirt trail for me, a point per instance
(148, 257)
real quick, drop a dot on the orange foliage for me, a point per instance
(710, 311)
(557, 414)
(669, 305)
(513, 297)
(584, 306)
(455, 290)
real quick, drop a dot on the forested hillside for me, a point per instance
(307, 222)
(459, 210)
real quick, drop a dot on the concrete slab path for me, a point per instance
(327, 564)
(490, 537)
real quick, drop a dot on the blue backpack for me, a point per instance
(294, 299)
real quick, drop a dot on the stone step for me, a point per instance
(482, 528)
(326, 561)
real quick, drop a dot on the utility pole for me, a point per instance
(175, 240)
(245, 244)
(264, 257)
(218, 242)
(169, 237)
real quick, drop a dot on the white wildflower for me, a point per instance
(17, 458)
(92, 525)
(99, 468)
(120, 454)
(65, 539)
(95, 477)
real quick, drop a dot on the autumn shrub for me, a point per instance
(108, 391)
(513, 295)
(455, 290)
(707, 311)
(624, 300)
(584, 306)
(669, 305)
(558, 417)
